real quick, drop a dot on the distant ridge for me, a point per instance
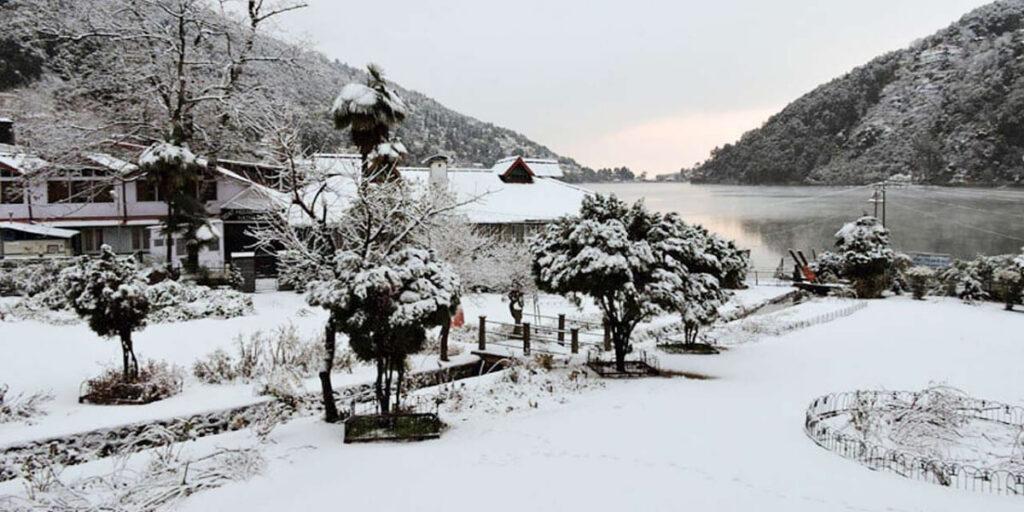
(948, 110)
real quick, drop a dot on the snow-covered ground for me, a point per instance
(733, 442)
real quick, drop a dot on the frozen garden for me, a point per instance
(403, 351)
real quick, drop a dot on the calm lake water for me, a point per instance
(771, 220)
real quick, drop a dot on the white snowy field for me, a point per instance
(733, 442)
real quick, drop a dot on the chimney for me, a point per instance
(6, 131)
(438, 171)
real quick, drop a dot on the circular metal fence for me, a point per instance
(877, 457)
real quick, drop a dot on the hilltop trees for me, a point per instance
(632, 262)
(110, 293)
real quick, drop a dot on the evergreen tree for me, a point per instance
(110, 293)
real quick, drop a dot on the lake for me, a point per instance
(963, 222)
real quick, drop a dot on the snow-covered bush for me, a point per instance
(21, 407)
(863, 255)
(155, 381)
(265, 353)
(920, 280)
(166, 478)
(110, 293)
(1011, 284)
(30, 278)
(175, 301)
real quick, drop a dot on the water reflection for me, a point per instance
(771, 220)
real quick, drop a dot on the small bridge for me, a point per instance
(549, 335)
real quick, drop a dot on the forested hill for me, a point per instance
(949, 109)
(46, 81)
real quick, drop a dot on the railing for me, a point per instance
(779, 330)
(537, 338)
(948, 473)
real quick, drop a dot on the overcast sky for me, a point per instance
(650, 84)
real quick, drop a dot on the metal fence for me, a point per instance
(948, 473)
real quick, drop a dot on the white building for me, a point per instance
(107, 201)
(510, 201)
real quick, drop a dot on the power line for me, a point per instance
(964, 207)
(961, 224)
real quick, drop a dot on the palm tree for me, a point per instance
(369, 112)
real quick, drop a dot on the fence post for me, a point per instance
(607, 337)
(561, 328)
(575, 333)
(481, 341)
(526, 338)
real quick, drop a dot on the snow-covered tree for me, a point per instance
(385, 303)
(920, 280)
(176, 175)
(371, 111)
(111, 294)
(863, 255)
(632, 262)
(332, 215)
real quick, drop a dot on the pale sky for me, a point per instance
(650, 84)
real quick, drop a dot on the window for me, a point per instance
(79, 191)
(58, 191)
(11, 192)
(53, 249)
(140, 239)
(92, 239)
(207, 189)
(146, 190)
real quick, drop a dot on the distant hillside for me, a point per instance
(949, 110)
(28, 72)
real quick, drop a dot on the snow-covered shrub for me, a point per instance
(1011, 284)
(155, 381)
(21, 407)
(30, 278)
(828, 266)
(897, 273)
(110, 293)
(263, 354)
(175, 301)
(866, 256)
(920, 280)
(166, 478)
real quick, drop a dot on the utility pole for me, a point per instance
(878, 198)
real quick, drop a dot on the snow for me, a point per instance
(493, 201)
(734, 442)
(38, 229)
(167, 152)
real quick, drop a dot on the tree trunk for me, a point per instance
(192, 261)
(620, 339)
(330, 338)
(445, 330)
(131, 364)
(398, 389)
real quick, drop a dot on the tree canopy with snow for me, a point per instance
(633, 262)
(111, 294)
(863, 255)
(370, 112)
(385, 304)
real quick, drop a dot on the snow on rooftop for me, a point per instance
(493, 201)
(543, 167)
(38, 229)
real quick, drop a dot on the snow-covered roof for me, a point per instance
(493, 200)
(543, 167)
(38, 229)
(498, 202)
